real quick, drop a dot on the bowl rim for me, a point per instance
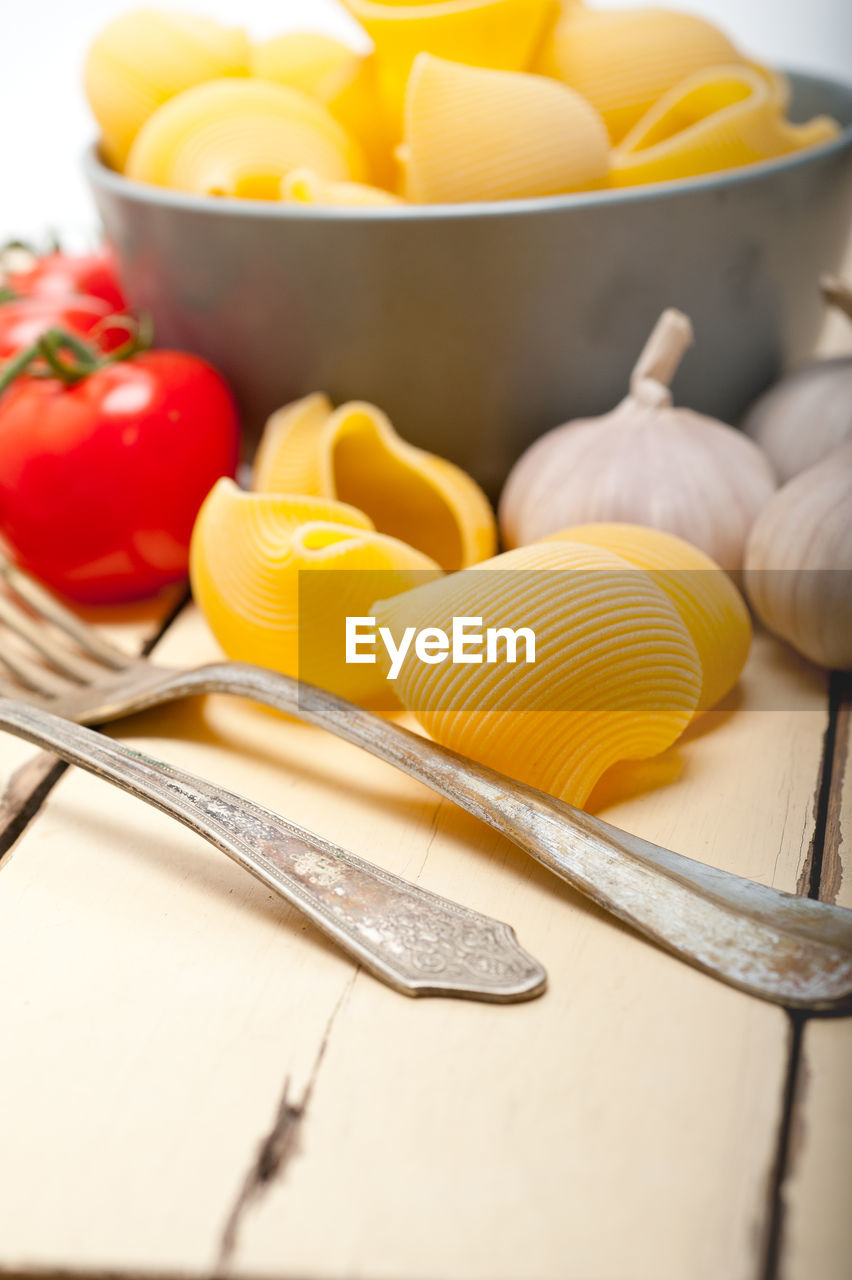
(101, 175)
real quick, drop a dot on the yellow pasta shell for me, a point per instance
(616, 677)
(703, 594)
(485, 33)
(357, 104)
(247, 553)
(473, 134)
(720, 118)
(303, 186)
(239, 138)
(305, 60)
(142, 58)
(353, 454)
(623, 60)
(344, 81)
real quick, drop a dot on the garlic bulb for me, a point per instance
(808, 414)
(798, 568)
(644, 463)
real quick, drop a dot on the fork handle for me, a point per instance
(793, 951)
(416, 941)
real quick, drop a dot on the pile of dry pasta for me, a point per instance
(637, 631)
(457, 101)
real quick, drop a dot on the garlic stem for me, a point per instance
(660, 357)
(837, 293)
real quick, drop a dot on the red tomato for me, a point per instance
(23, 322)
(100, 481)
(60, 274)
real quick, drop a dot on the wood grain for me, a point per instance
(815, 1224)
(184, 1057)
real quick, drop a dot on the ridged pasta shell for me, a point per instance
(473, 134)
(248, 551)
(306, 60)
(616, 677)
(357, 104)
(341, 79)
(703, 594)
(720, 118)
(502, 34)
(303, 186)
(142, 58)
(623, 60)
(355, 455)
(239, 138)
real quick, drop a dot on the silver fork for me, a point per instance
(794, 951)
(417, 942)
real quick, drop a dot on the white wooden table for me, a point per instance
(193, 1078)
(193, 1081)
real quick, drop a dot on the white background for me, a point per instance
(44, 122)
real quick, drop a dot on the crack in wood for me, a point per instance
(277, 1149)
(808, 882)
(831, 878)
(24, 794)
(781, 1165)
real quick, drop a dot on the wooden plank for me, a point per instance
(818, 1226)
(623, 1125)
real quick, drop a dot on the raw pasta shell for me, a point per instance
(305, 60)
(623, 60)
(703, 594)
(355, 455)
(303, 186)
(239, 138)
(343, 81)
(720, 118)
(473, 134)
(357, 104)
(484, 33)
(142, 58)
(616, 677)
(248, 552)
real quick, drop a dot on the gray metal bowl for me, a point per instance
(477, 327)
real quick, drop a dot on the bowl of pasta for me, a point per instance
(491, 288)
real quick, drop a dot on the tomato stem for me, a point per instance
(45, 358)
(17, 365)
(140, 334)
(49, 347)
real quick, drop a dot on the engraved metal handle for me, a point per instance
(790, 950)
(418, 942)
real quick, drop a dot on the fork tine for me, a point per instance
(55, 652)
(32, 681)
(46, 605)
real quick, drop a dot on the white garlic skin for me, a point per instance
(671, 469)
(798, 569)
(804, 417)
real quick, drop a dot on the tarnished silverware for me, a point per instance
(416, 941)
(790, 950)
